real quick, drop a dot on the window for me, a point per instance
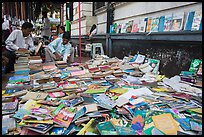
(99, 5)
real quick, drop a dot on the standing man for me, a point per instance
(18, 40)
(59, 49)
(46, 29)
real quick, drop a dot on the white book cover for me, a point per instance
(168, 22)
(196, 20)
(155, 24)
(177, 21)
(142, 25)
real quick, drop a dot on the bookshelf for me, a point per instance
(161, 36)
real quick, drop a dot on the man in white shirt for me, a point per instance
(46, 29)
(18, 40)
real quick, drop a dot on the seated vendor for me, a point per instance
(59, 49)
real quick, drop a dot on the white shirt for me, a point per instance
(16, 41)
(57, 46)
(5, 25)
(46, 30)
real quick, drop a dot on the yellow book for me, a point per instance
(149, 22)
(160, 89)
(39, 121)
(166, 123)
(119, 90)
(197, 110)
(84, 129)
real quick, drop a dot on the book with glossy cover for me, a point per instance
(64, 118)
(168, 22)
(155, 24)
(177, 21)
(149, 22)
(135, 27)
(161, 24)
(142, 24)
(196, 20)
(189, 20)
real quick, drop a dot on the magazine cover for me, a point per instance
(196, 20)
(168, 22)
(64, 117)
(189, 20)
(149, 22)
(135, 27)
(155, 24)
(177, 21)
(142, 24)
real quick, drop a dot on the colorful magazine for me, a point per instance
(155, 24)
(168, 22)
(177, 21)
(196, 20)
(64, 117)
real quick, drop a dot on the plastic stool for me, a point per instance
(94, 47)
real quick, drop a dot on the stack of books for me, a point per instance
(61, 64)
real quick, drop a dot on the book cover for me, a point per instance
(177, 21)
(138, 120)
(56, 94)
(89, 127)
(35, 96)
(41, 130)
(155, 24)
(142, 24)
(10, 123)
(103, 99)
(89, 107)
(189, 20)
(196, 126)
(200, 25)
(149, 22)
(169, 129)
(135, 27)
(168, 22)
(184, 123)
(153, 131)
(64, 117)
(154, 64)
(196, 20)
(161, 24)
(10, 106)
(124, 27)
(119, 27)
(57, 131)
(194, 66)
(26, 131)
(105, 126)
(79, 113)
(111, 28)
(199, 72)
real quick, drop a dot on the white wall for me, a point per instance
(132, 10)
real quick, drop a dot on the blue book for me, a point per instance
(184, 123)
(200, 25)
(189, 20)
(111, 28)
(161, 24)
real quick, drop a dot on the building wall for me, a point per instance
(131, 10)
(87, 20)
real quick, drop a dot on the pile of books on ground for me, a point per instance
(104, 96)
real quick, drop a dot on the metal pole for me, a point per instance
(79, 33)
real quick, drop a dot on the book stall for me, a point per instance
(103, 96)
